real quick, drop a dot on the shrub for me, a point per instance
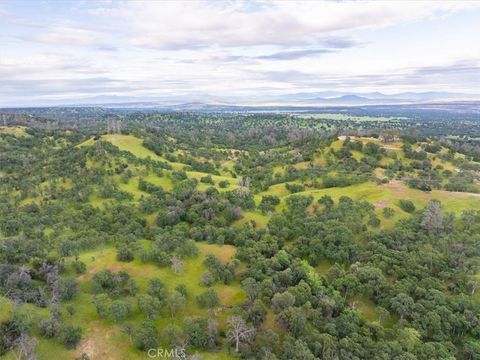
(207, 180)
(49, 327)
(68, 289)
(223, 184)
(294, 188)
(407, 206)
(146, 336)
(208, 299)
(196, 330)
(124, 253)
(388, 212)
(70, 336)
(79, 267)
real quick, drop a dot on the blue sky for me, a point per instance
(64, 52)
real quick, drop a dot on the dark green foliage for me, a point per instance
(219, 271)
(294, 188)
(80, 267)
(199, 334)
(182, 289)
(326, 200)
(112, 284)
(50, 327)
(223, 184)
(9, 333)
(125, 253)
(388, 212)
(70, 336)
(406, 205)
(207, 180)
(68, 288)
(146, 336)
(156, 289)
(208, 299)
(268, 203)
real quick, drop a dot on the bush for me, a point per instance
(207, 278)
(374, 221)
(124, 253)
(207, 180)
(268, 203)
(119, 311)
(294, 188)
(70, 336)
(208, 299)
(407, 206)
(68, 289)
(388, 212)
(182, 289)
(79, 267)
(146, 336)
(49, 327)
(223, 184)
(173, 335)
(326, 200)
(196, 330)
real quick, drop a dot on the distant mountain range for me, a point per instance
(315, 99)
(375, 98)
(299, 99)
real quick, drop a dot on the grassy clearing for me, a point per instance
(302, 165)
(388, 195)
(135, 146)
(6, 308)
(216, 179)
(132, 188)
(381, 196)
(164, 181)
(13, 130)
(225, 253)
(367, 308)
(103, 339)
(106, 340)
(132, 144)
(279, 190)
(259, 219)
(323, 267)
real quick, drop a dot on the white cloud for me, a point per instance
(190, 24)
(66, 35)
(236, 48)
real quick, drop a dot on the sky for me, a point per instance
(80, 52)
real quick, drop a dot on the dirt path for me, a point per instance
(96, 344)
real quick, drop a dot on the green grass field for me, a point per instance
(103, 339)
(260, 220)
(381, 196)
(216, 179)
(135, 146)
(13, 130)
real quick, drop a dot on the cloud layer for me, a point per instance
(237, 51)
